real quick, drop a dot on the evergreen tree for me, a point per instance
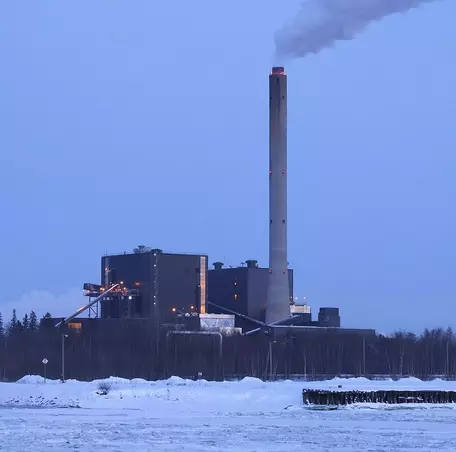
(2, 329)
(25, 323)
(13, 322)
(45, 321)
(19, 327)
(33, 322)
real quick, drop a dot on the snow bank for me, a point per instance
(141, 381)
(359, 382)
(178, 395)
(113, 381)
(36, 379)
(177, 381)
(251, 381)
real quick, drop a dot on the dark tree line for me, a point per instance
(134, 349)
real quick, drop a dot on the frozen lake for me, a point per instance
(185, 416)
(297, 430)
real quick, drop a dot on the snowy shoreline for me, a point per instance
(182, 397)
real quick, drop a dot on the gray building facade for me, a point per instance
(242, 289)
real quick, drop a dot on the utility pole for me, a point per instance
(270, 361)
(270, 356)
(6, 360)
(63, 357)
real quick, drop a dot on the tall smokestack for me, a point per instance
(278, 297)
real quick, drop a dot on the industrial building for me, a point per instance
(169, 290)
(242, 289)
(179, 289)
(153, 284)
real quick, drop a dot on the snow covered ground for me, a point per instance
(201, 416)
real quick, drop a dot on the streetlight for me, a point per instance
(271, 371)
(63, 357)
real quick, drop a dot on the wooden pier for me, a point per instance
(331, 398)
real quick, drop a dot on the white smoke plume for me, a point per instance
(321, 23)
(58, 305)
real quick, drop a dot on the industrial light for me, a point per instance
(174, 309)
(130, 297)
(192, 307)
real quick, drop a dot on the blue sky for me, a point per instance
(126, 123)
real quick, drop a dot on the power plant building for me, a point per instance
(154, 284)
(165, 288)
(242, 289)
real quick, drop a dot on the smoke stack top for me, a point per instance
(321, 23)
(278, 70)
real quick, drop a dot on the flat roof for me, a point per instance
(153, 251)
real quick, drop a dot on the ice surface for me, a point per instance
(185, 415)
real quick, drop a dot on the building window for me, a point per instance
(202, 281)
(76, 326)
